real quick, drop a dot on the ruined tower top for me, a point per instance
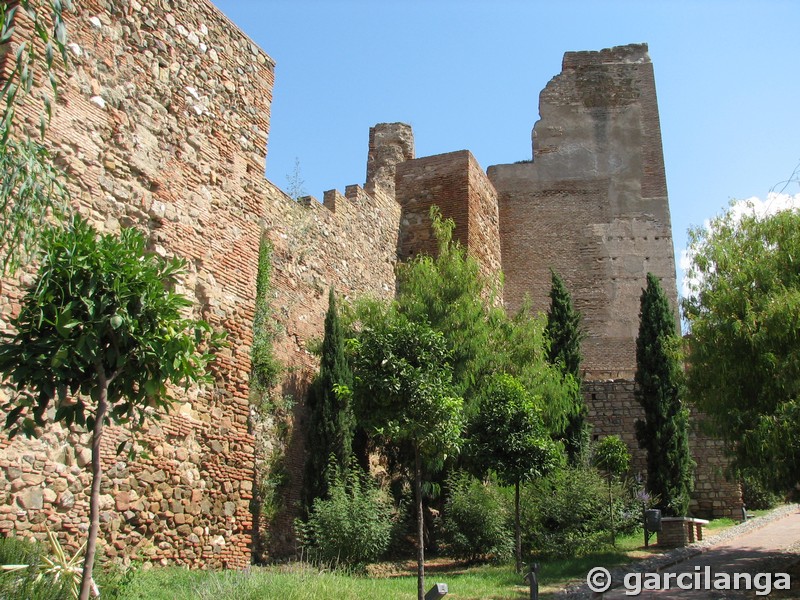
(593, 203)
(389, 145)
(632, 53)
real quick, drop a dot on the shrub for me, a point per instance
(26, 583)
(756, 496)
(476, 520)
(352, 526)
(566, 514)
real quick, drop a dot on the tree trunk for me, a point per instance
(420, 526)
(94, 501)
(611, 514)
(517, 529)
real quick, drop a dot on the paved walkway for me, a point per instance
(751, 548)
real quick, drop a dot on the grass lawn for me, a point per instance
(392, 581)
(389, 581)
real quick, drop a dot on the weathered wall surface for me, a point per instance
(593, 206)
(163, 125)
(458, 186)
(593, 202)
(613, 410)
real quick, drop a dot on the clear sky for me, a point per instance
(467, 75)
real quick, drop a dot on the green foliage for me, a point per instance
(31, 186)
(565, 335)
(402, 385)
(353, 525)
(475, 522)
(756, 496)
(743, 312)
(265, 367)
(100, 311)
(519, 348)
(27, 582)
(566, 514)
(403, 390)
(449, 293)
(331, 420)
(611, 455)
(665, 431)
(507, 435)
(100, 337)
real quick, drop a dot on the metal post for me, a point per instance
(533, 580)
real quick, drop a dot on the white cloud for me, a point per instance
(752, 206)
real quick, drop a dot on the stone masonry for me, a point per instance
(163, 124)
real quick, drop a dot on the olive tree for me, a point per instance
(99, 339)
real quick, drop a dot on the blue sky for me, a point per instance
(467, 75)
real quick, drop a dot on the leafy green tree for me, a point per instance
(31, 187)
(743, 311)
(611, 455)
(99, 338)
(448, 292)
(565, 335)
(402, 388)
(331, 420)
(508, 436)
(518, 347)
(665, 431)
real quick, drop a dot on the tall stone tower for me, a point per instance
(593, 206)
(593, 202)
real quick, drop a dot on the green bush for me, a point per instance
(756, 496)
(566, 514)
(476, 520)
(25, 583)
(352, 526)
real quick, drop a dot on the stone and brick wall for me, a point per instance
(613, 410)
(458, 186)
(162, 124)
(593, 202)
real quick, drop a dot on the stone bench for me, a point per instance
(680, 531)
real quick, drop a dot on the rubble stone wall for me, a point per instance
(614, 410)
(162, 124)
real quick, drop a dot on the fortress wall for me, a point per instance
(613, 410)
(163, 125)
(593, 205)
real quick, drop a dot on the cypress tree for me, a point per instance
(565, 335)
(665, 431)
(331, 421)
